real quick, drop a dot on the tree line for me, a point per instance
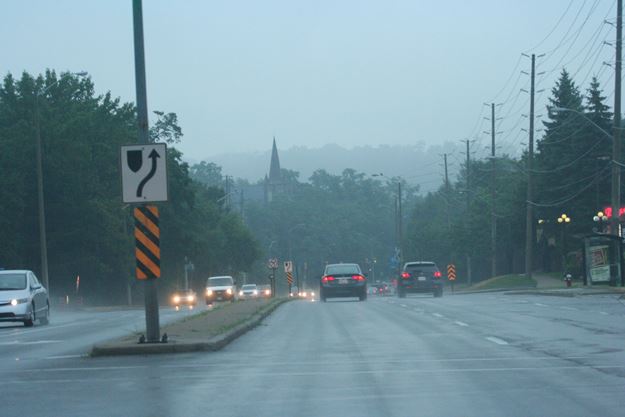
(89, 229)
(353, 216)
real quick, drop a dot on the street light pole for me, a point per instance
(43, 245)
(616, 143)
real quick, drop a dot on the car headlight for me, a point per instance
(229, 291)
(267, 292)
(209, 292)
(241, 293)
(304, 294)
(191, 298)
(255, 292)
(312, 294)
(176, 298)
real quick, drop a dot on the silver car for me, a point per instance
(23, 298)
(248, 291)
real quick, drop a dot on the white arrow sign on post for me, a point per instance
(144, 173)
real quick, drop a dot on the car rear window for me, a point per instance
(342, 269)
(425, 269)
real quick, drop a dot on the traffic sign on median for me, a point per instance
(451, 272)
(144, 173)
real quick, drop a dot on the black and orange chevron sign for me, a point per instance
(451, 272)
(147, 243)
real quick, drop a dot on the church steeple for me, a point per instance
(275, 175)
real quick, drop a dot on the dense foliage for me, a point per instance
(89, 230)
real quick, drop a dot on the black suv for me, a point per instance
(419, 277)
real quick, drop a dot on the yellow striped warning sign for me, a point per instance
(147, 242)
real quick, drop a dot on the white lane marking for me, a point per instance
(440, 316)
(496, 340)
(66, 357)
(404, 305)
(35, 342)
(459, 323)
(604, 313)
(230, 375)
(569, 308)
(540, 305)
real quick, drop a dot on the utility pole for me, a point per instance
(447, 193)
(399, 224)
(616, 143)
(151, 291)
(242, 201)
(529, 220)
(493, 219)
(468, 191)
(227, 191)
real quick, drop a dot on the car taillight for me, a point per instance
(358, 277)
(405, 275)
(437, 274)
(327, 278)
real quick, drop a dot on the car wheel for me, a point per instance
(363, 296)
(31, 319)
(46, 317)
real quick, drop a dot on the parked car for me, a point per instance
(220, 288)
(248, 291)
(420, 277)
(184, 298)
(23, 298)
(343, 280)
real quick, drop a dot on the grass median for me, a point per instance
(505, 282)
(207, 331)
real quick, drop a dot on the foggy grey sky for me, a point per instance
(317, 72)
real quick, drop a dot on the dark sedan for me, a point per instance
(343, 280)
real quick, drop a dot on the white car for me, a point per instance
(248, 291)
(220, 288)
(23, 298)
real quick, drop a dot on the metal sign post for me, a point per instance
(288, 269)
(272, 264)
(140, 184)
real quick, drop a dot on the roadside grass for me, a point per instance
(505, 282)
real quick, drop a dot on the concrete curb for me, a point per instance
(214, 344)
(564, 293)
(492, 290)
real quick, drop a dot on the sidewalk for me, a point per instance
(207, 331)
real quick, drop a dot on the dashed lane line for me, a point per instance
(496, 340)
(460, 323)
(440, 316)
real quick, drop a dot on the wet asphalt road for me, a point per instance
(463, 355)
